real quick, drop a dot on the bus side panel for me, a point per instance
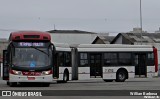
(83, 73)
(110, 72)
(150, 71)
(155, 59)
(61, 72)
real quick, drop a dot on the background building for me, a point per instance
(157, 31)
(74, 36)
(3, 45)
(103, 40)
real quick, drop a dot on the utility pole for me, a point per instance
(141, 19)
(54, 27)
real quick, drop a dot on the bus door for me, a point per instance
(5, 66)
(95, 66)
(55, 66)
(55, 63)
(140, 65)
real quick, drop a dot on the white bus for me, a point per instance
(109, 62)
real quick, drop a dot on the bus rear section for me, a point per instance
(115, 62)
(28, 58)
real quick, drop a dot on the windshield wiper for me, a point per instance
(40, 50)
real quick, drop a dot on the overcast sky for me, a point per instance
(89, 15)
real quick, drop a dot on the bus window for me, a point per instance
(61, 58)
(67, 59)
(150, 59)
(125, 59)
(83, 59)
(110, 59)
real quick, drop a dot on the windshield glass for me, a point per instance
(32, 57)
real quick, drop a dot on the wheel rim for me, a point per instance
(65, 77)
(121, 76)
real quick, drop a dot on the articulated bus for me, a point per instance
(32, 57)
(28, 58)
(108, 62)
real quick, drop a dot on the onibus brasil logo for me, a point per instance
(19, 93)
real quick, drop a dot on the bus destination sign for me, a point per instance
(27, 44)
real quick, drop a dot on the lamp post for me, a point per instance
(141, 19)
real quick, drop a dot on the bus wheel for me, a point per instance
(65, 77)
(12, 84)
(7, 83)
(121, 76)
(107, 80)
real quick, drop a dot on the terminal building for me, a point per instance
(3, 45)
(74, 36)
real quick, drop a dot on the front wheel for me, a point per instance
(7, 83)
(121, 76)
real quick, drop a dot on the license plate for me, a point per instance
(31, 78)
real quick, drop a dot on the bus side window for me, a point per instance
(67, 59)
(136, 59)
(110, 59)
(150, 59)
(83, 59)
(125, 59)
(61, 58)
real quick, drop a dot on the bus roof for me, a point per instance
(62, 46)
(113, 46)
(29, 35)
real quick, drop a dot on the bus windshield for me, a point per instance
(32, 57)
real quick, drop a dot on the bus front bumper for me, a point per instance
(20, 78)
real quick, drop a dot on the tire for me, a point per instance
(7, 83)
(108, 80)
(121, 76)
(65, 77)
(12, 84)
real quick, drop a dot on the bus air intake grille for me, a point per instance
(31, 36)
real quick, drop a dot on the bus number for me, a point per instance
(109, 70)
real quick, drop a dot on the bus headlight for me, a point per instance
(15, 72)
(47, 72)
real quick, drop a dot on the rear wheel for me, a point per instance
(121, 76)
